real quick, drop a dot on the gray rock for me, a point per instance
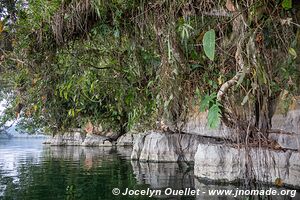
(158, 147)
(126, 139)
(138, 145)
(286, 141)
(197, 124)
(289, 122)
(57, 140)
(217, 162)
(73, 138)
(78, 139)
(96, 140)
(68, 139)
(224, 163)
(48, 140)
(163, 147)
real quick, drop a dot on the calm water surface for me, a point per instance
(31, 170)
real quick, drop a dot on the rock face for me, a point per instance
(154, 147)
(138, 145)
(67, 139)
(74, 139)
(160, 147)
(289, 122)
(126, 139)
(197, 124)
(96, 140)
(78, 139)
(224, 163)
(286, 141)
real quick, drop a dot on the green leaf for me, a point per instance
(287, 4)
(293, 53)
(213, 118)
(65, 95)
(129, 98)
(209, 44)
(197, 93)
(71, 112)
(205, 103)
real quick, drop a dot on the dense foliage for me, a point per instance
(130, 63)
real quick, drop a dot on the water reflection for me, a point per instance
(29, 170)
(164, 175)
(180, 176)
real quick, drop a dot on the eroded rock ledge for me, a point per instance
(162, 147)
(77, 137)
(225, 163)
(217, 160)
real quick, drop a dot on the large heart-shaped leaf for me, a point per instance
(287, 4)
(209, 43)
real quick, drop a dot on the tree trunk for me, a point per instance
(265, 107)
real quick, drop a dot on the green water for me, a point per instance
(30, 170)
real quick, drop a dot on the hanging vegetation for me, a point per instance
(130, 63)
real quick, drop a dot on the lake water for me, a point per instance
(31, 170)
